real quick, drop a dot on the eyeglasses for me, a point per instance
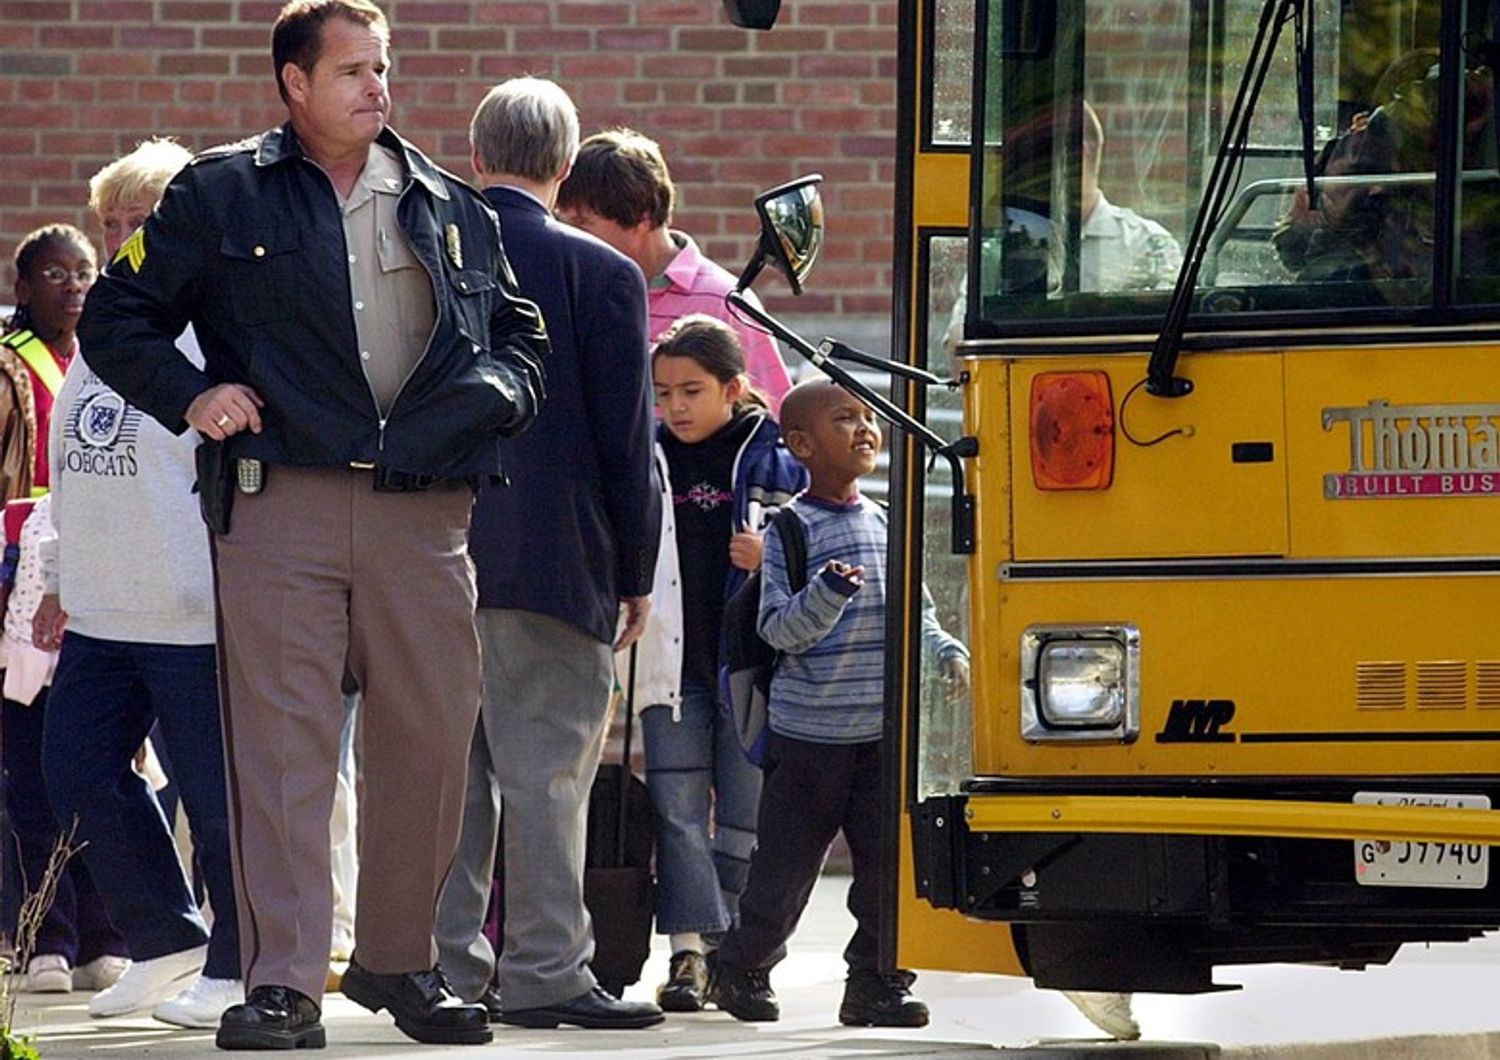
(56, 274)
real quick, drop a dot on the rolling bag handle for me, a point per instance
(625, 772)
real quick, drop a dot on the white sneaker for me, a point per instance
(1109, 1012)
(47, 973)
(100, 973)
(201, 1004)
(146, 984)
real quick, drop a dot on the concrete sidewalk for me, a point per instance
(1438, 1003)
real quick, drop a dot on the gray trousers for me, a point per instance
(533, 759)
(316, 571)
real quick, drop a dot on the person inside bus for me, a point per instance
(1362, 229)
(1119, 250)
(1372, 230)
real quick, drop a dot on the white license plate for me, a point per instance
(1413, 863)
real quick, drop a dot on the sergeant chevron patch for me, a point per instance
(133, 250)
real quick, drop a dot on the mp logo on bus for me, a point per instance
(1412, 451)
(1198, 721)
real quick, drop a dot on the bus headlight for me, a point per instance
(1080, 683)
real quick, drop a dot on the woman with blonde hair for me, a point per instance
(136, 601)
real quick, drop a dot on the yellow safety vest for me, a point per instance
(38, 357)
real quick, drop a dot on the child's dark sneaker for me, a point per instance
(881, 999)
(687, 978)
(744, 993)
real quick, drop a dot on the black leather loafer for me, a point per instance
(272, 1017)
(424, 1005)
(596, 1010)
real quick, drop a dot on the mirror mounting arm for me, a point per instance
(953, 452)
(841, 351)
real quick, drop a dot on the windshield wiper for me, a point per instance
(1160, 377)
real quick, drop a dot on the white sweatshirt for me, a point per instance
(130, 560)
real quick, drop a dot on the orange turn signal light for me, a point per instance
(1072, 431)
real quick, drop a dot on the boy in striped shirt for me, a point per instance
(826, 716)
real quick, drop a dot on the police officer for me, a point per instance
(365, 351)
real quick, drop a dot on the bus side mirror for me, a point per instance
(791, 231)
(753, 14)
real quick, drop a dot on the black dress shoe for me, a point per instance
(490, 999)
(272, 1017)
(424, 1005)
(596, 1010)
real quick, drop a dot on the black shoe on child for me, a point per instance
(881, 999)
(687, 978)
(744, 993)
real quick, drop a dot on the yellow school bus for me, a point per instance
(1212, 292)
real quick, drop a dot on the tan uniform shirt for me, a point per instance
(393, 302)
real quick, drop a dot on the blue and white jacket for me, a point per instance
(766, 477)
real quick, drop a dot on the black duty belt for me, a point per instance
(389, 480)
(250, 477)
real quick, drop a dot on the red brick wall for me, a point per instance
(82, 81)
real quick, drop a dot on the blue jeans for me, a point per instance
(695, 769)
(105, 698)
(76, 924)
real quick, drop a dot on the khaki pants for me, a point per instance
(318, 572)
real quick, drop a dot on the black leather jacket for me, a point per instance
(248, 246)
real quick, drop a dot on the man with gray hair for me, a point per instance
(565, 557)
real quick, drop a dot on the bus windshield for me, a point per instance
(1100, 121)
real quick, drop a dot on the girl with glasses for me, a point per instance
(76, 946)
(54, 268)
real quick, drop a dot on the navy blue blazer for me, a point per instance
(579, 524)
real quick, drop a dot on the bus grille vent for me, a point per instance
(1380, 685)
(1442, 685)
(1487, 683)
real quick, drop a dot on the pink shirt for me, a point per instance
(693, 284)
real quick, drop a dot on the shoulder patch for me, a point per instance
(133, 250)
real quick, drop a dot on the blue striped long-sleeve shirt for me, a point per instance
(829, 685)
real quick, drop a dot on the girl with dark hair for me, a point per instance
(55, 267)
(724, 472)
(76, 946)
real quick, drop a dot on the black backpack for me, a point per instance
(747, 661)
